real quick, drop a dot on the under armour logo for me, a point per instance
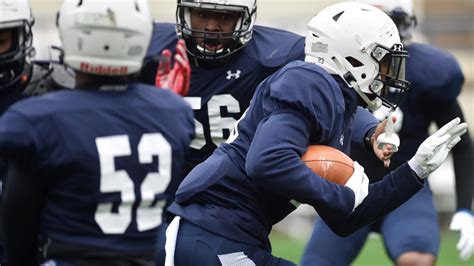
(341, 140)
(235, 75)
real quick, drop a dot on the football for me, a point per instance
(329, 163)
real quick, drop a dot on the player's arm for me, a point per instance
(273, 161)
(402, 183)
(383, 197)
(21, 199)
(21, 205)
(363, 128)
(463, 155)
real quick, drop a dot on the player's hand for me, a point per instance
(359, 184)
(386, 151)
(434, 150)
(177, 79)
(463, 221)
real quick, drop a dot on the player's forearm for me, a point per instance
(384, 196)
(363, 126)
(274, 161)
(463, 155)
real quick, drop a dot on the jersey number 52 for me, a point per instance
(148, 213)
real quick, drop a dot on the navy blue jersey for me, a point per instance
(256, 178)
(44, 77)
(220, 95)
(7, 98)
(108, 159)
(40, 81)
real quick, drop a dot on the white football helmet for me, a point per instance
(103, 37)
(16, 17)
(246, 11)
(402, 13)
(360, 43)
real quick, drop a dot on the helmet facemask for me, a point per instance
(14, 61)
(211, 44)
(391, 76)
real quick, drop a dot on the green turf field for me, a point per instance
(373, 252)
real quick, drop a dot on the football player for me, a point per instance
(230, 56)
(21, 77)
(227, 205)
(89, 168)
(411, 232)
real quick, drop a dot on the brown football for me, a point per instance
(329, 163)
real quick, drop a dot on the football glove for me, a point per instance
(434, 150)
(359, 184)
(177, 79)
(463, 221)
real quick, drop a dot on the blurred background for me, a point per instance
(448, 24)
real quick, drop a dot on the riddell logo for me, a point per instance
(101, 70)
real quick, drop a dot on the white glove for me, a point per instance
(359, 184)
(434, 150)
(463, 222)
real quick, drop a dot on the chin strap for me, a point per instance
(372, 105)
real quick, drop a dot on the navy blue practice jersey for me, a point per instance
(256, 178)
(221, 94)
(107, 157)
(44, 77)
(320, 116)
(436, 81)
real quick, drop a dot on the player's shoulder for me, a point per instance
(163, 37)
(136, 95)
(159, 97)
(433, 71)
(301, 72)
(275, 47)
(43, 105)
(434, 53)
(307, 86)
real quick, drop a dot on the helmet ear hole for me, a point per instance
(363, 76)
(354, 62)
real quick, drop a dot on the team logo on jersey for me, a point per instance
(235, 75)
(341, 140)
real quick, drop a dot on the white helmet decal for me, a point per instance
(108, 38)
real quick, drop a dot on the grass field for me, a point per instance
(373, 253)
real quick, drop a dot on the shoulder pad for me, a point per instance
(309, 89)
(433, 72)
(49, 76)
(275, 47)
(164, 37)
